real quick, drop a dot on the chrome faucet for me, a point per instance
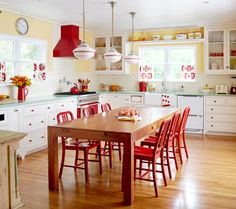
(163, 84)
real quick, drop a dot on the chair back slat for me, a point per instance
(160, 143)
(106, 107)
(173, 126)
(64, 117)
(88, 111)
(184, 119)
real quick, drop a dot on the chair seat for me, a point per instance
(144, 152)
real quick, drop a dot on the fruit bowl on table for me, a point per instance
(128, 115)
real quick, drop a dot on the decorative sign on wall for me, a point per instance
(189, 72)
(146, 73)
(39, 72)
(3, 73)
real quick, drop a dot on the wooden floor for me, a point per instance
(206, 180)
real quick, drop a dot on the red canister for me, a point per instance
(142, 86)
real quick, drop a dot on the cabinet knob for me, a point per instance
(30, 124)
(153, 127)
(227, 67)
(15, 110)
(49, 108)
(54, 119)
(215, 101)
(42, 137)
(42, 121)
(211, 108)
(211, 117)
(211, 125)
(62, 105)
(30, 140)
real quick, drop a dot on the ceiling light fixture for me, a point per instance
(112, 55)
(83, 51)
(131, 58)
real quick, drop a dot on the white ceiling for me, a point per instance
(150, 13)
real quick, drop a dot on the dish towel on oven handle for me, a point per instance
(165, 100)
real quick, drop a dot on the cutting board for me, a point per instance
(8, 101)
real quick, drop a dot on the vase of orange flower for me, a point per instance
(21, 82)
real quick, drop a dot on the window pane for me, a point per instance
(153, 55)
(182, 73)
(182, 56)
(6, 50)
(30, 52)
(27, 69)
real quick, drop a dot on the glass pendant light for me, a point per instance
(112, 55)
(83, 51)
(131, 58)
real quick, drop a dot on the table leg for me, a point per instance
(52, 159)
(128, 172)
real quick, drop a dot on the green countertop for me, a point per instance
(34, 100)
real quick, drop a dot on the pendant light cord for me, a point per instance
(83, 22)
(112, 28)
(132, 46)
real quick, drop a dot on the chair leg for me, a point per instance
(76, 158)
(119, 147)
(163, 168)
(135, 168)
(62, 163)
(86, 165)
(185, 146)
(179, 149)
(154, 177)
(105, 146)
(140, 166)
(174, 155)
(100, 157)
(110, 153)
(168, 162)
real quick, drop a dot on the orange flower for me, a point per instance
(20, 81)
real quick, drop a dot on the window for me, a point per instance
(173, 63)
(22, 56)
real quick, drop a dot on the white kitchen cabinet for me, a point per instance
(220, 114)
(220, 51)
(34, 119)
(103, 45)
(158, 99)
(196, 115)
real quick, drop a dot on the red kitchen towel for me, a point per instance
(165, 100)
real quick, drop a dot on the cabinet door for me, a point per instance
(114, 100)
(15, 119)
(231, 50)
(216, 51)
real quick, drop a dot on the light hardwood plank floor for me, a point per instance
(207, 180)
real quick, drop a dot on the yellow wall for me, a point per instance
(85, 65)
(37, 29)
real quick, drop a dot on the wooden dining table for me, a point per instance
(106, 127)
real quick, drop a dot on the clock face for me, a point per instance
(22, 26)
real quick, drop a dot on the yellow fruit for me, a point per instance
(2, 97)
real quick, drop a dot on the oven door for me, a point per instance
(93, 107)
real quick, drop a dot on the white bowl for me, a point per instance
(181, 36)
(167, 37)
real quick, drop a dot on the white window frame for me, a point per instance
(17, 40)
(167, 72)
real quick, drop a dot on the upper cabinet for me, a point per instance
(102, 45)
(220, 51)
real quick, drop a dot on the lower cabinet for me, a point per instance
(33, 119)
(220, 114)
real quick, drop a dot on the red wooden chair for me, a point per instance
(109, 146)
(180, 134)
(77, 145)
(170, 142)
(150, 156)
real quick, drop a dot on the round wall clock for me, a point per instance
(22, 26)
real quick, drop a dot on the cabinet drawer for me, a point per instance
(216, 100)
(32, 110)
(232, 101)
(221, 109)
(61, 105)
(35, 140)
(52, 120)
(221, 127)
(34, 123)
(195, 122)
(46, 108)
(221, 118)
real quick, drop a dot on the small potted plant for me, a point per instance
(21, 82)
